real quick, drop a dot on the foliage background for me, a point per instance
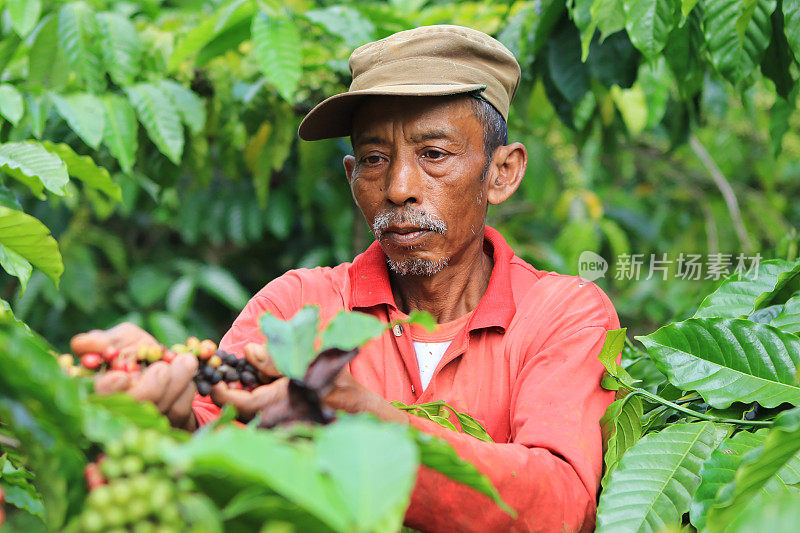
(631, 150)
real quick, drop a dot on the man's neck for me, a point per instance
(449, 294)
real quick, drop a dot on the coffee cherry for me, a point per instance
(214, 361)
(91, 360)
(66, 361)
(93, 475)
(203, 388)
(109, 354)
(247, 378)
(231, 374)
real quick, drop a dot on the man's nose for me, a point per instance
(403, 183)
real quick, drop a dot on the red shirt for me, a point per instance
(525, 366)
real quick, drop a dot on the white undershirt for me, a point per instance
(428, 356)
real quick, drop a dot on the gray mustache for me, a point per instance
(419, 219)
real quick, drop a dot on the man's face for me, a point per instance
(417, 174)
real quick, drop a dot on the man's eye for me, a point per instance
(372, 159)
(433, 154)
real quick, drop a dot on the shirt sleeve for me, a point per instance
(549, 472)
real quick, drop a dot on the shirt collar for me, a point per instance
(369, 283)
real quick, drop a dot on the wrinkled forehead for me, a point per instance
(380, 116)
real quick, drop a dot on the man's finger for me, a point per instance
(181, 373)
(152, 383)
(257, 355)
(111, 382)
(181, 409)
(249, 403)
(92, 341)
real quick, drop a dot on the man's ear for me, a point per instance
(349, 163)
(506, 172)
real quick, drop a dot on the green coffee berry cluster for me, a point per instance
(131, 489)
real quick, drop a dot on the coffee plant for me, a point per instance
(705, 434)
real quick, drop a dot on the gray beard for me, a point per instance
(417, 266)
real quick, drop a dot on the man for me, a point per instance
(516, 347)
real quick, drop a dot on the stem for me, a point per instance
(701, 416)
(630, 345)
(11, 442)
(725, 188)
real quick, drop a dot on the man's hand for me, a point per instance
(169, 386)
(347, 394)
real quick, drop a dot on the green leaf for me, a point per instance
(758, 467)
(791, 21)
(11, 104)
(47, 64)
(422, 318)
(31, 164)
(648, 23)
(84, 113)
(16, 265)
(438, 411)
(742, 294)
(682, 53)
(85, 169)
(780, 513)
(120, 130)
(167, 329)
(437, 454)
(580, 11)
(789, 318)
(609, 16)
(78, 37)
(207, 30)
(148, 284)
(373, 466)
(345, 22)
(38, 109)
(647, 495)
(8, 47)
(612, 346)
(348, 330)
(24, 15)
(179, 297)
(223, 285)
(728, 360)
(777, 62)
(23, 496)
(687, 6)
(622, 428)
(121, 47)
(718, 471)
(471, 427)
(261, 459)
(159, 117)
(190, 107)
(277, 46)
(107, 416)
(291, 342)
(733, 56)
(570, 76)
(779, 116)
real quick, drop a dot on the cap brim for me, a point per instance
(333, 117)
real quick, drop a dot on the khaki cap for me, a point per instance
(427, 61)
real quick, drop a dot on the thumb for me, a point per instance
(257, 355)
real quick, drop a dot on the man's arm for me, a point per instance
(549, 472)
